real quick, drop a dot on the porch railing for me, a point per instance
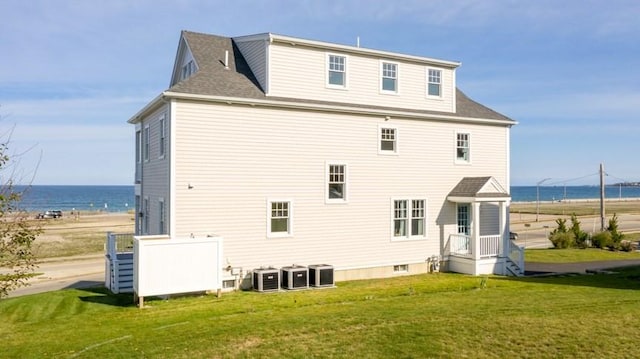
(516, 255)
(461, 245)
(119, 243)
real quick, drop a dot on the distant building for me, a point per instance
(305, 152)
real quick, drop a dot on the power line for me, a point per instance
(572, 179)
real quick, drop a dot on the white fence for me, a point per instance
(164, 265)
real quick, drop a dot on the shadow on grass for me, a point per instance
(624, 277)
(101, 295)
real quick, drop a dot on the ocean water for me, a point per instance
(557, 193)
(80, 198)
(121, 198)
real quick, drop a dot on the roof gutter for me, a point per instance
(327, 108)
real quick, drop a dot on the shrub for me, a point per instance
(562, 227)
(580, 236)
(616, 237)
(601, 239)
(627, 246)
(562, 240)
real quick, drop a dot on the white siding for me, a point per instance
(234, 158)
(300, 72)
(155, 172)
(255, 53)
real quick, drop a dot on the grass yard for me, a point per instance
(576, 255)
(432, 315)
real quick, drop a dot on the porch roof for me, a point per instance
(478, 189)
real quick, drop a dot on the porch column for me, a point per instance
(475, 229)
(504, 230)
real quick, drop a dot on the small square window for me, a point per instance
(434, 83)
(337, 71)
(401, 268)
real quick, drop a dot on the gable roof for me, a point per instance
(238, 81)
(477, 188)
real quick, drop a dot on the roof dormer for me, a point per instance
(185, 65)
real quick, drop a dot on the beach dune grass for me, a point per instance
(579, 207)
(431, 315)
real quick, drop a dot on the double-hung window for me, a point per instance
(161, 217)
(463, 147)
(463, 218)
(409, 218)
(388, 140)
(337, 71)
(146, 140)
(389, 77)
(279, 222)
(336, 189)
(162, 135)
(434, 83)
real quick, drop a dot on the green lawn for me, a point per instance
(432, 315)
(576, 255)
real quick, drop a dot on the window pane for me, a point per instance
(400, 228)
(279, 225)
(336, 78)
(417, 227)
(387, 145)
(336, 190)
(388, 84)
(434, 89)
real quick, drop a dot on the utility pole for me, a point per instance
(602, 197)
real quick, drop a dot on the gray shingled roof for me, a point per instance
(238, 81)
(470, 186)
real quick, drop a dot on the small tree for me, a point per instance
(579, 235)
(17, 233)
(561, 237)
(616, 236)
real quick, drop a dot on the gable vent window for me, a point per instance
(188, 69)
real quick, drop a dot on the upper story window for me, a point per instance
(389, 78)
(336, 183)
(337, 71)
(434, 83)
(146, 144)
(279, 218)
(162, 135)
(463, 147)
(388, 140)
(138, 146)
(188, 69)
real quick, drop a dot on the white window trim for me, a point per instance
(139, 146)
(455, 148)
(409, 200)
(379, 141)
(346, 183)
(426, 88)
(400, 268)
(287, 234)
(162, 134)
(346, 72)
(381, 68)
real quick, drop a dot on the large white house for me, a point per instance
(304, 152)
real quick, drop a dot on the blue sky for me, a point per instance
(73, 72)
